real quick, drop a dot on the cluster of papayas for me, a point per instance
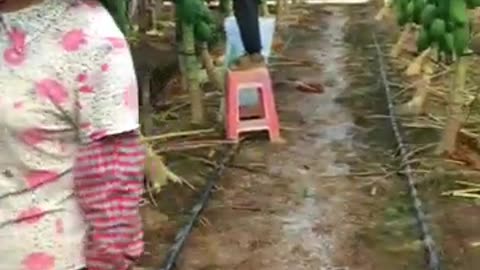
(196, 12)
(444, 23)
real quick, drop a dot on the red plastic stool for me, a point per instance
(267, 118)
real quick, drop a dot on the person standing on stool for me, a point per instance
(247, 15)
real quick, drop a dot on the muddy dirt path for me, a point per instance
(303, 211)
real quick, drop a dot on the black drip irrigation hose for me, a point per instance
(184, 232)
(430, 247)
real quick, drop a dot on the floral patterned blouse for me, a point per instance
(66, 78)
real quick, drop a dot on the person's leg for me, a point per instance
(109, 191)
(246, 12)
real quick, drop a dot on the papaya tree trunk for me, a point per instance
(213, 77)
(146, 109)
(143, 16)
(286, 6)
(264, 8)
(132, 9)
(455, 112)
(152, 14)
(180, 54)
(415, 68)
(192, 69)
(158, 4)
(207, 62)
(226, 7)
(384, 11)
(279, 9)
(397, 48)
(416, 105)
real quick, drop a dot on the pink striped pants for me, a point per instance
(109, 184)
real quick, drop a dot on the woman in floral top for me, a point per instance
(71, 164)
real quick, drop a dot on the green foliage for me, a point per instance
(444, 24)
(428, 15)
(471, 4)
(418, 7)
(197, 13)
(437, 29)
(203, 31)
(423, 40)
(458, 12)
(461, 38)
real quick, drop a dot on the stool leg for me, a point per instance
(271, 115)
(233, 113)
(260, 106)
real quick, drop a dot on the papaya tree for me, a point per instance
(264, 8)
(408, 15)
(457, 36)
(400, 10)
(280, 9)
(445, 28)
(385, 10)
(196, 24)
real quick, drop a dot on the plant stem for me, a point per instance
(192, 69)
(180, 54)
(397, 48)
(226, 7)
(264, 9)
(455, 110)
(207, 61)
(146, 109)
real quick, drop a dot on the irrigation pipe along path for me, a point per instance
(182, 235)
(428, 241)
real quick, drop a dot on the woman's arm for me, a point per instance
(108, 185)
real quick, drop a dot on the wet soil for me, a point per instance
(327, 199)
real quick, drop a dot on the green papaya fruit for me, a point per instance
(428, 14)
(202, 31)
(450, 26)
(400, 7)
(443, 9)
(437, 29)
(423, 40)
(205, 14)
(446, 45)
(458, 12)
(419, 5)
(189, 10)
(461, 39)
(474, 3)
(410, 10)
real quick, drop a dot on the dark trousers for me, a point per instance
(246, 13)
